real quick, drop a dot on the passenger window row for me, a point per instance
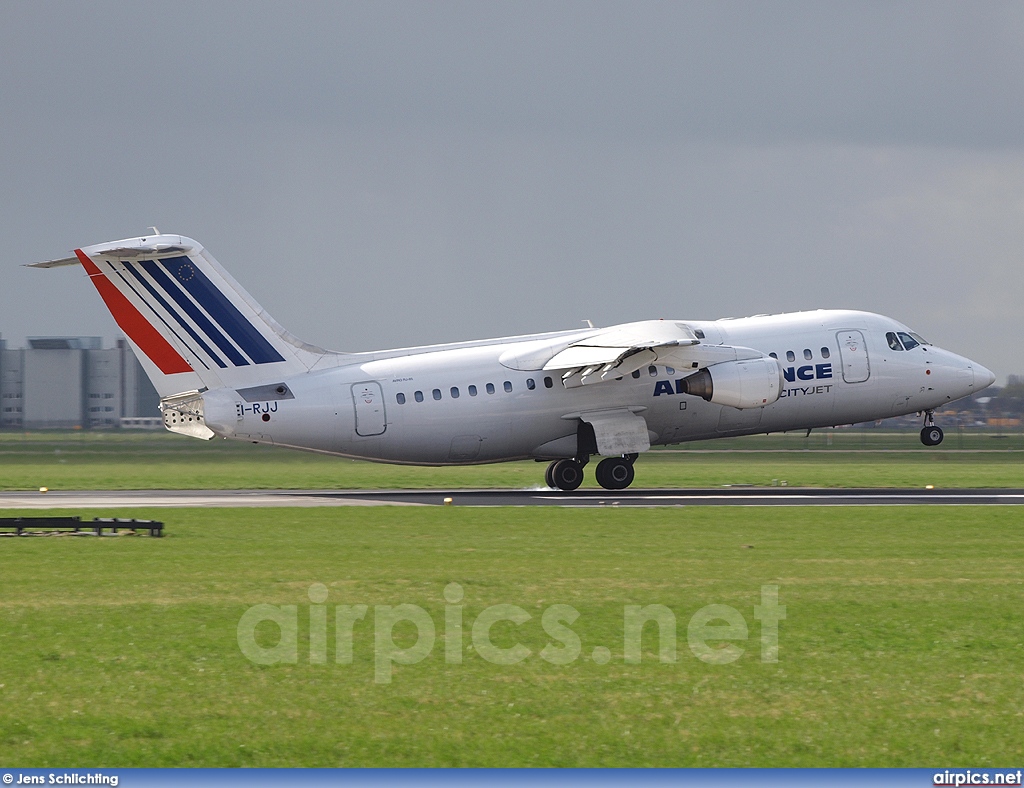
(531, 385)
(472, 390)
(808, 355)
(653, 372)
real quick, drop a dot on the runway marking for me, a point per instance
(197, 499)
(121, 499)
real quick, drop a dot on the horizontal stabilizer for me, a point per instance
(150, 251)
(146, 250)
(54, 263)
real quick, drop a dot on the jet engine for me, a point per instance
(752, 383)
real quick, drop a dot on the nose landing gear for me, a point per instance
(930, 434)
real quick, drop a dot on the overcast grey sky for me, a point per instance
(386, 174)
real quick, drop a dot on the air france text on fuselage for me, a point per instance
(806, 372)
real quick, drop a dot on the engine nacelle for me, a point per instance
(753, 383)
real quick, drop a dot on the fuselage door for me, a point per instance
(369, 402)
(854, 353)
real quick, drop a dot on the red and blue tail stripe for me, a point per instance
(226, 314)
(188, 307)
(182, 325)
(195, 312)
(134, 324)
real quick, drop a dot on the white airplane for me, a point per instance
(223, 367)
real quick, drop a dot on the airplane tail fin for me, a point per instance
(190, 324)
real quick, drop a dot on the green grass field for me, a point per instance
(832, 458)
(902, 644)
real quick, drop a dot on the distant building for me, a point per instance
(72, 383)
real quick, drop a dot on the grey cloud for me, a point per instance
(948, 74)
(383, 174)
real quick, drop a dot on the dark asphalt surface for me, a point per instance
(731, 496)
(722, 496)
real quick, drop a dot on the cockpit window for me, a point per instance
(893, 341)
(908, 341)
(919, 338)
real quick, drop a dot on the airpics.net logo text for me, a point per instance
(976, 777)
(713, 633)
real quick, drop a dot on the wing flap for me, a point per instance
(700, 356)
(613, 346)
(622, 350)
(586, 364)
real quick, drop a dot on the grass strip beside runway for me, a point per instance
(901, 646)
(119, 461)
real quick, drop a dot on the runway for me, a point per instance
(723, 496)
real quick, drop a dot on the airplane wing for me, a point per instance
(621, 350)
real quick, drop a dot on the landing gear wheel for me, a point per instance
(931, 436)
(615, 473)
(566, 474)
(549, 474)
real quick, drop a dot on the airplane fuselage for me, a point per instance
(470, 404)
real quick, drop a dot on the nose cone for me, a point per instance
(983, 378)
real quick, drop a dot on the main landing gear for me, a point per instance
(930, 434)
(613, 473)
(565, 474)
